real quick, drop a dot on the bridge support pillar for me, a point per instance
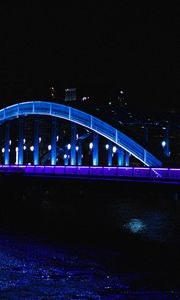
(126, 159)
(79, 153)
(7, 135)
(95, 148)
(36, 141)
(53, 141)
(66, 157)
(20, 141)
(120, 157)
(73, 144)
(110, 154)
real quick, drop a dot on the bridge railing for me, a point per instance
(90, 171)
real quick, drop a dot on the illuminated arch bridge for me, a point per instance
(117, 143)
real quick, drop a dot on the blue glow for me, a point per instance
(135, 225)
(154, 175)
(84, 119)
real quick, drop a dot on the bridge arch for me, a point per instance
(84, 119)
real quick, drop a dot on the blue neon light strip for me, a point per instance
(159, 174)
(84, 119)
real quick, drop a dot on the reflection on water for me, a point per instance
(88, 240)
(34, 268)
(135, 225)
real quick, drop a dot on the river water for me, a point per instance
(87, 240)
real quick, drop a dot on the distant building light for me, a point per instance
(65, 156)
(69, 146)
(70, 94)
(107, 146)
(85, 98)
(32, 148)
(57, 138)
(10, 142)
(77, 136)
(77, 148)
(120, 122)
(49, 147)
(121, 92)
(24, 140)
(110, 102)
(24, 147)
(3, 150)
(40, 139)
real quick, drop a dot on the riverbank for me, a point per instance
(124, 238)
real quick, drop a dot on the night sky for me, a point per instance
(131, 47)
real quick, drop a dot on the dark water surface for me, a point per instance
(88, 240)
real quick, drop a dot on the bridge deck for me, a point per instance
(159, 175)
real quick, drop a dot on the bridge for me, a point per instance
(131, 174)
(117, 144)
(125, 158)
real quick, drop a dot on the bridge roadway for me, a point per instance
(133, 174)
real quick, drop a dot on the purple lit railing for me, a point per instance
(114, 172)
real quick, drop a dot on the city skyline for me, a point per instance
(133, 48)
